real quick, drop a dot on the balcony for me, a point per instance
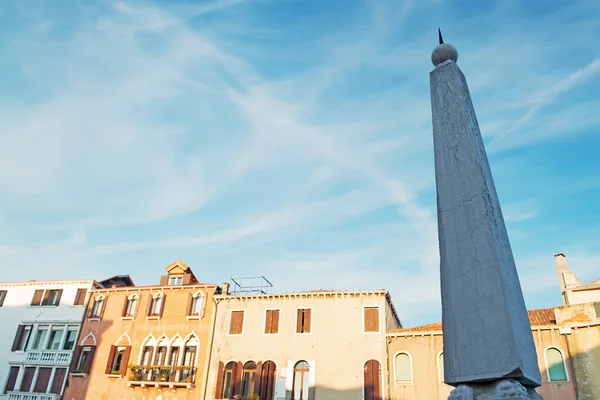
(32, 396)
(162, 376)
(48, 357)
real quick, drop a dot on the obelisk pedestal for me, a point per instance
(489, 351)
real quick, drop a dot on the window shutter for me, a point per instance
(59, 296)
(189, 304)
(257, 375)
(88, 363)
(80, 298)
(18, 337)
(37, 298)
(2, 297)
(269, 322)
(43, 379)
(149, 308)
(104, 304)
(125, 360)
(75, 359)
(299, 321)
(111, 359)
(219, 388)
(125, 305)
(371, 319)
(59, 380)
(275, 323)
(46, 298)
(307, 320)
(12, 379)
(237, 374)
(27, 379)
(163, 300)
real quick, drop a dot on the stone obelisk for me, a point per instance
(489, 351)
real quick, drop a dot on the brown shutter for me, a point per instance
(43, 379)
(2, 297)
(299, 321)
(59, 380)
(149, 305)
(189, 304)
(37, 298)
(307, 320)
(257, 375)
(187, 279)
(104, 304)
(75, 358)
(46, 297)
(111, 359)
(125, 360)
(219, 388)
(237, 378)
(60, 292)
(275, 323)
(162, 305)
(125, 305)
(164, 280)
(12, 380)
(371, 319)
(88, 363)
(269, 321)
(27, 379)
(80, 298)
(18, 337)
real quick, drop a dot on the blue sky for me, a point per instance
(288, 138)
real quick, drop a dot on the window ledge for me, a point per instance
(78, 374)
(153, 317)
(129, 318)
(114, 376)
(94, 319)
(196, 317)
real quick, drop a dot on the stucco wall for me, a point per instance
(16, 310)
(424, 349)
(585, 348)
(113, 330)
(583, 296)
(337, 348)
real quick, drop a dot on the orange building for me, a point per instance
(149, 342)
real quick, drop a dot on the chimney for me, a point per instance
(225, 288)
(561, 262)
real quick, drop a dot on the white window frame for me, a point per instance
(412, 378)
(312, 319)
(440, 377)
(564, 360)
(175, 278)
(134, 311)
(98, 299)
(378, 319)
(243, 322)
(195, 297)
(160, 297)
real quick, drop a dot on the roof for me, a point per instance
(118, 281)
(538, 317)
(596, 282)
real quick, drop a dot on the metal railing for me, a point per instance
(32, 396)
(162, 374)
(48, 357)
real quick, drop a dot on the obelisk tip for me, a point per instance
(440, 36)
(443, 51)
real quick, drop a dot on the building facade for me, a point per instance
(322, 345)
(149, 342)
(40, 324)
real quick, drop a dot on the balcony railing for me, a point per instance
(162, 375)
(32, 396)
(48, 357)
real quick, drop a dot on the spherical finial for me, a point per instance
(443, 52)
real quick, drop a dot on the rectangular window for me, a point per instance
(12, 380)
(40, 338)
(38, 296)
(175, 280)
(71, 338)
(371, 319)
(55, 339)
(118, 360)
(303, 320)
(43, 379)
(80, 297)
(22, 338)
(52, 298)
(59, 380)
(272, 322)
(27, 379)
(2, 297)
(236, 323)
(85, 359)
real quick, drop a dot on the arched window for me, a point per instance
(301, 381)
(441, 367)
(156, 305)
(161, 352)
(228, 374)
(555, 365)
(196, 303)
(147, 351)
(403, 369)
(267, 380)
(97, 307)
(175, 350)
(248, 376)
(189, 352)
(131, 306)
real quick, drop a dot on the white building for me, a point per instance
(40, 322)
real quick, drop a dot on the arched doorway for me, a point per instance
(372, 385)
(267, 380)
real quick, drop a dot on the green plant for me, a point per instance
(115, 372)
